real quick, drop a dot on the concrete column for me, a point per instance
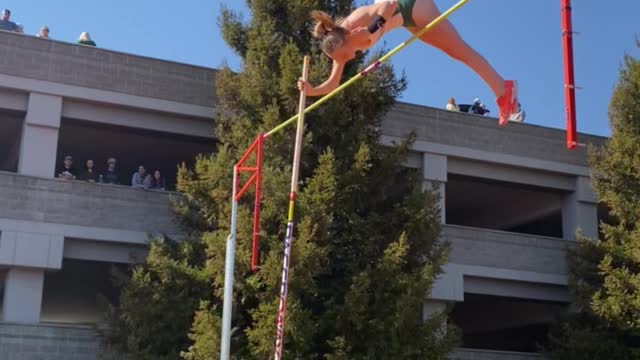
(434, 174)
(39, 143)
(23, 295)
(580, 211)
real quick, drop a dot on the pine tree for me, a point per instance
(366, 248)
(605, 272)
(617, 184)
(157, 301)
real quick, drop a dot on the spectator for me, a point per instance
(451, 105)
(44, 32)
(519, 115)
(140, 179)
(478, 108)
(68, 172)
(5, 23)
(111, 176)
(89, 174)
(85, 39)
(157, 181)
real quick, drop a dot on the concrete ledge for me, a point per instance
(482, 135)
(51, 342)
(505, 250)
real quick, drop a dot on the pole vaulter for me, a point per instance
(340, 41)
(225, 341)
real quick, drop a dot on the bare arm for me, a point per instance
(387, 8)
(329, 85)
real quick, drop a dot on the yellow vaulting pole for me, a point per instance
(371, 67)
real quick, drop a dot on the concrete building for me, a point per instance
(512, 197)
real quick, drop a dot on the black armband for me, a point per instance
(377, 24)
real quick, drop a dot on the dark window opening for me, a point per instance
(85, 140)
(549, 225)
(10, 136)
(505, 206)
(3, 279)
(504, 324)
(79, 292)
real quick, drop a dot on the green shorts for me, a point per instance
(405, 7)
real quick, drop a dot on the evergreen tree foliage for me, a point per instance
(605, 272)
(366, 246)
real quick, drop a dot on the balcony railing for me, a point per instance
(54, 201)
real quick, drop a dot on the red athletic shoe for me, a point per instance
(508, 102)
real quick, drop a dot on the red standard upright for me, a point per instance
(569, 84)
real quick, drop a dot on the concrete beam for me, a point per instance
(492, 157)
(512, 174)
(14, 100)
(103, 96)
(29, 249)
(136, 118)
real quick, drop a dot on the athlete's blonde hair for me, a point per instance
(328, 30)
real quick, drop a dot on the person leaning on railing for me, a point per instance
(110, 176)
(5, 23)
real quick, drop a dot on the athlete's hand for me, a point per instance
(360, 31)
(362, 37)
(303, 85)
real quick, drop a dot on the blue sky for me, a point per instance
(522, 39)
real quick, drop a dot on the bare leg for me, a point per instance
(445, 37)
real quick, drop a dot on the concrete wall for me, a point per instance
(55, 61)
(482, 134)
(36, 199)
(48, 342)
(500, 263)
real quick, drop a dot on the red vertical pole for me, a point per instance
(569, 84)
(256, 206)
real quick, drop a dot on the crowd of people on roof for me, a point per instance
(478, 108)
(7, 25)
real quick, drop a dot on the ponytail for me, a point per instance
(323, 24)
(328, 30)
